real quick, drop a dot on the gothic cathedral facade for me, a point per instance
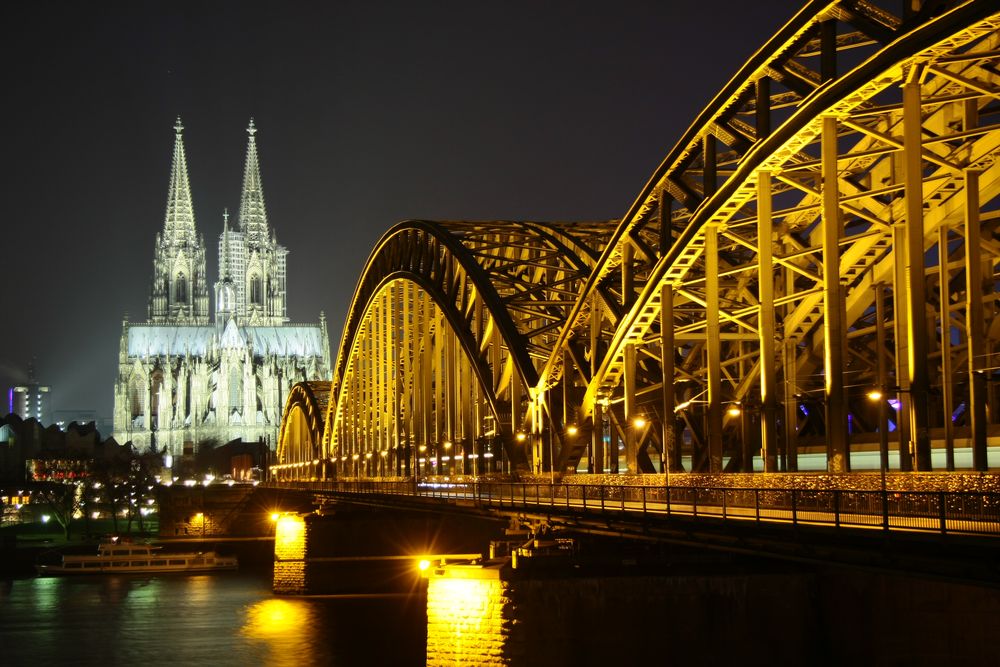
(185, 378)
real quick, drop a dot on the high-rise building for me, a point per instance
(31, 400)
(183, 378)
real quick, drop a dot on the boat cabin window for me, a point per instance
(176, 561)
(158, 562)
(91, 564)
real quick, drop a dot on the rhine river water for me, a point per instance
(218, 619)
(716, 613)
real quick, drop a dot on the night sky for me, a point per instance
(368, 113)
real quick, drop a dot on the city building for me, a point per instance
(185, 378)
(31, 399)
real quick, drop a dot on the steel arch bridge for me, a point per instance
(812, 269)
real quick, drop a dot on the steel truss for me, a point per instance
(826, 228)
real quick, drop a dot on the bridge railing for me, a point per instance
(927, 511)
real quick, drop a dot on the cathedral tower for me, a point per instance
(182, 381)
(179, 291)
(251, 256)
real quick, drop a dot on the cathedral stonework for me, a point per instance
(184, 380)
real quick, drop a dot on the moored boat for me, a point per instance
(125, 558)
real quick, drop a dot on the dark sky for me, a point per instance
(369, 113)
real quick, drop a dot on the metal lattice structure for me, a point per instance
(812, 268)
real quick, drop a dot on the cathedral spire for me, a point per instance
(179, 223)
(253, 216)
(224, 250)
(179, 292)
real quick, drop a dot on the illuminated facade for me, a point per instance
(30, 400)
(184, 378)
(825, 229)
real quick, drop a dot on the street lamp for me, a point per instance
(878, 395)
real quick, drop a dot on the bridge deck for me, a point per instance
(937, 512)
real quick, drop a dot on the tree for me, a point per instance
(62, 499)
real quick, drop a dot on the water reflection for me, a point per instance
(286, 627)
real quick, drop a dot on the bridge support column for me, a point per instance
(596, 464)
(714, 349)
(944, 299)
(975, 325)
(791, 413)
(632, 429)
(768, 370)
(671, 446)
(596, 458)
(900, 318)
(913, 187)
(837, 446)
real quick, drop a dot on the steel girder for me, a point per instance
(299, 451)
(825, 227)
(847, 172)
(439, 358)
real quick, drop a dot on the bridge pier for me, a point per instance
(351, 549)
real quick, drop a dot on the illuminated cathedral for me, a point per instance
(185, 378)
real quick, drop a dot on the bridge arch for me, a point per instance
(439, 355)
(847, 143)
(826, 227)
(300, 439)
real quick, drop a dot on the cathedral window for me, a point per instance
(136, 397)
(256, 291)
(235, 395)
(180, 288)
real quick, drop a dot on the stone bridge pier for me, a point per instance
(342, 549)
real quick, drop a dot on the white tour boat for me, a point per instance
(127, 558)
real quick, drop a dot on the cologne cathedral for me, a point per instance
(186, 378)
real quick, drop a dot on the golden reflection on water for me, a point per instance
(285, 626)
(465, 621)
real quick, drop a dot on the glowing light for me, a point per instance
(45, 518)
(734, 410)
(424, 564)
(639, 422)
(520, 436)
(289, 537)
(283, 623)
(275, 516)
(875, 395)
(422, 448)
(462, 616)
(447, 444)
(572, 429)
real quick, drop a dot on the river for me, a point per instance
(718, 613)
(218, 619)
